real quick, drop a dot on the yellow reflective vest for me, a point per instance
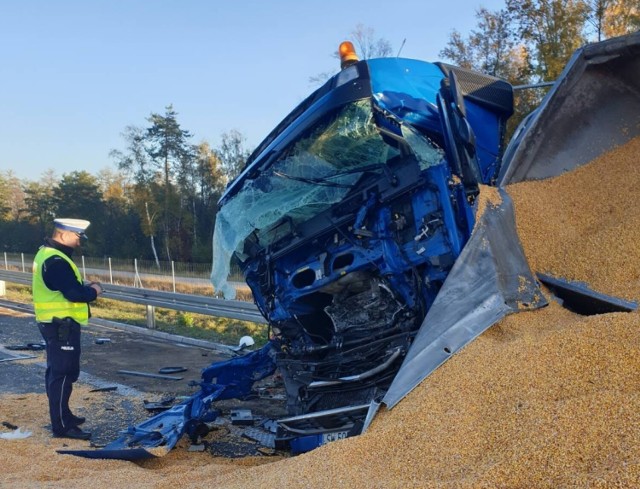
(49, 303)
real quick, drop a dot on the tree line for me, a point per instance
(161, 202)
(530, 41)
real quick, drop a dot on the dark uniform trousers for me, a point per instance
(62, 338)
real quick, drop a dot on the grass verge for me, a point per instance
(210, 328)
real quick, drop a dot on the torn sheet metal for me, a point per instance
(600, 80)
(579, 298)
(490, 279)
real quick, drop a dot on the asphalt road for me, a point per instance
(131, 349)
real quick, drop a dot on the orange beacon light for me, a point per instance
(347, 54)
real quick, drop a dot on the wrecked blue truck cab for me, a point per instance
(374, 231)
(348, 219)
(357, 227)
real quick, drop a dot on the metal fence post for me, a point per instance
(173, 276)
(22, 255)
(84, 271)
(110, 272)
(6, 263)
(151, 318)
(136, 279)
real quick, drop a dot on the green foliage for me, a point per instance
(186, 319)
(232, 154)
(619, 17)
(176, 185)
(5, 204)
(40, 203)
(530, 41)
(160, 204)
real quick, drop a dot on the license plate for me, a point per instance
(336, 435)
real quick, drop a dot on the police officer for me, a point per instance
(60, 301)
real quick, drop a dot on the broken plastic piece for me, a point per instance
(234, 379)
(111, 454)
(172, 370)
(16, 434)
(105, 389)
(241, 417)
(160, 405)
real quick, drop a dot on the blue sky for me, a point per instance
(75, 73)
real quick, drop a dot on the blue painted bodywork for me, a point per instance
(346, 223)
(228, 379)
(349, 216)
(402, 92)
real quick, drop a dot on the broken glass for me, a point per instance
(314, 173)
(317, 171)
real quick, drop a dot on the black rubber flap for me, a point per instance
(123, 454)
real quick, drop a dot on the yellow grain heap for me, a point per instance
(544, 399)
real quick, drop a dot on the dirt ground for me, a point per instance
(108, 411)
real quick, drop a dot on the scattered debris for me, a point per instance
(28, 346)
(242, 417)
(196, 448)
(267, 393)
(105, 389)
(261, 436)
(159, 405)
(17, 434)
(266, 451)
(6, 424)
(172, 370)
(269, 425)
(245, 342)
(102, 341)
(22, 357)
(146, 374)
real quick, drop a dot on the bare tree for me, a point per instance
(367, 45)
(232, 153)
(596, 11)
(11, 196)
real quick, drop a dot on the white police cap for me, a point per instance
(73, 225)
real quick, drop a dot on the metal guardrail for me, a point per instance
(197, 304)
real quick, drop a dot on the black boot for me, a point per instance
(75, 433)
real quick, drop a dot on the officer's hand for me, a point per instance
(97, 287)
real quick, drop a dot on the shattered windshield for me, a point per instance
(313, 174)
(310, 176)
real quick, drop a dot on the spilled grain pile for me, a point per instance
(543, 399)
(585, 225)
